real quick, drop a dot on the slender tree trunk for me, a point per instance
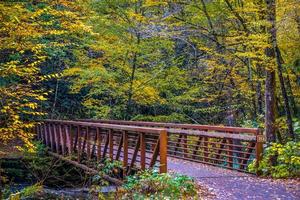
(130, 91)
(132, 77)
(283, 91)
(254, 115)
(270, 81)
(271, 7)
(54, 101)
(259, 91)
(291, 95)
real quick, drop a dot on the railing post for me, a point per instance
(185, 145)
(62, 139)
(46, 134)
(42, 133)
(230, 153)
(88, 143)
(79, 141)
(143, 151)
(163, 143)
(125, 153)
(68, 138)
(98, 145)
(50, 132)
(205, 142)
(56, 138)
(111, 144)
(260, 139)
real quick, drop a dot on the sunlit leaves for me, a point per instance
(28, 30)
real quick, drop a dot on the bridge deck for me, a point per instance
(233, 185)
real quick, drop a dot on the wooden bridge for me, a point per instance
(147, 145)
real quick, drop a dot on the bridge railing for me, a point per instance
(91, 143)
(228, 147)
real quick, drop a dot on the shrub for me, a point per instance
(280, 161)
(152, 185)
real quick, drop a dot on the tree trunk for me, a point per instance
(130, 91)
(132, 77)
(54, 101)
(270, 80)
(271, 10)
(283, 90)
(270, 105)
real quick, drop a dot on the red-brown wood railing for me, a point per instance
(229, 147)
(91, 143)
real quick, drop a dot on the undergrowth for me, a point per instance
(279, 161)
(153, 185)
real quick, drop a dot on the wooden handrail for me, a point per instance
(99, 141)
(110, 126)
(213, 134)
(178, 126)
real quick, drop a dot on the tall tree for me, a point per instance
(29, 31)
(270, 77)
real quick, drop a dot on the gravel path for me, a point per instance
(231, 185)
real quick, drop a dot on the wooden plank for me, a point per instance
(106, 145)
(205, 143)
(143, 150)
(76, 139)
(79, 144)
(83, 147)
(243, 137)
(62, 139)
(229, 153)
(125, 153)
(259, 149)
(94, 145)
(56, 138)
(68, 139)
(178, 126)
(98, 145)
(71, 132)
(185, 145)
(163, 151)
(135, 153)
(51, 137)
(119, 148)
(88, 143)
(155, 154)
(46, 134)
(110, 126)
(111, 144)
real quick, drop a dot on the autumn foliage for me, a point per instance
(208, 62)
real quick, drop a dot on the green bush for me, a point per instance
(30, 191)
(280, 161)
(152, 185)
(38, 162)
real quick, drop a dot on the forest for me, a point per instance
(210, 62)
